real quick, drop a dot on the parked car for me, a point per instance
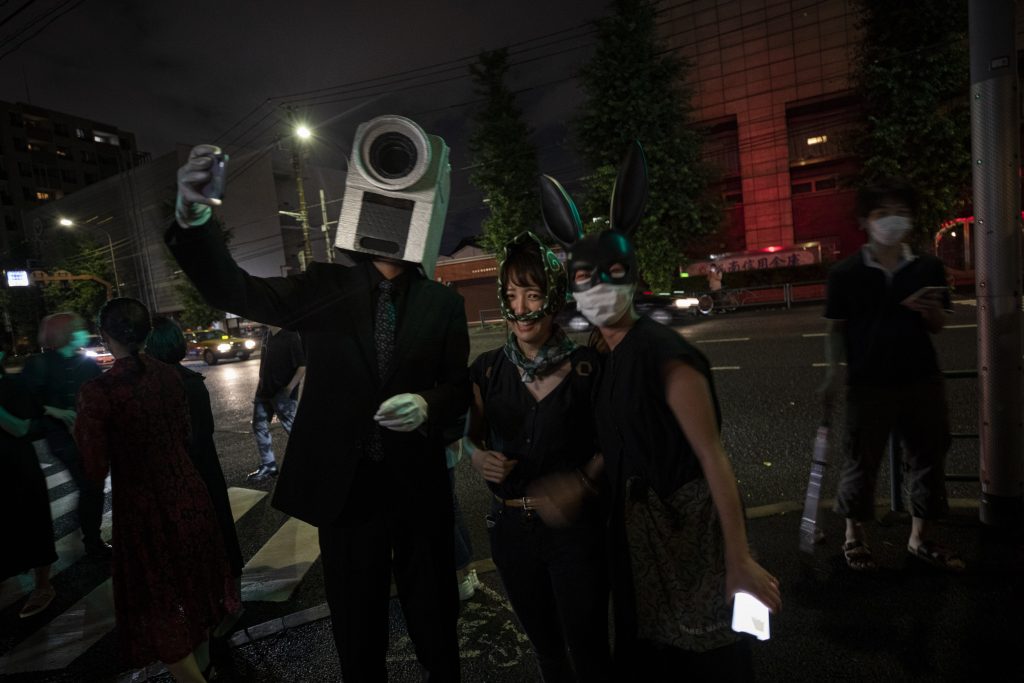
(214, 346)
(97, 350)
(665, 309)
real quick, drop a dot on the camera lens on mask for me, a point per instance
(393, 155)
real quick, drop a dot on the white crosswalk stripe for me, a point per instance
(272, 574)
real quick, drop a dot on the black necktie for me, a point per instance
(384, 328)
(384, 341)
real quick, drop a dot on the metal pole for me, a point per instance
(307, 248)
(113, 263)
(325, 228)
(995, 149)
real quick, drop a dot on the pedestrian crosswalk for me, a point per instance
(271, 574)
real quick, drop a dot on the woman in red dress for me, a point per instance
(172, 579)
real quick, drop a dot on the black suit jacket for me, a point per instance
(331, 307)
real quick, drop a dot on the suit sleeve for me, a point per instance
(448, 401)
(205, 259)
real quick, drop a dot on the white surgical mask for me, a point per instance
(890, 230)
(605, 303)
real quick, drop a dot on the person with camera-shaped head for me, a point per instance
(386, 358)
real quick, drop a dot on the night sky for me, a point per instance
(191, 72)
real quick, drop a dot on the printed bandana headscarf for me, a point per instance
(556, 349)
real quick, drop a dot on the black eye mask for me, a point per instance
(598, 254)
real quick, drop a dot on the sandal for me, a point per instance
(939, 556)
(858, 556)
(38, 600)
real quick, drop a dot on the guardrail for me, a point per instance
(897, 466)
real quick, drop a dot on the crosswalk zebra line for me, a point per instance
(58, 478)
(277, 569)
(73, 632)
(69, 502)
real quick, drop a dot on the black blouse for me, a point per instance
(637, 431)
(555, 434)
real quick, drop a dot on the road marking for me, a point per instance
(823, 365)
(66, 504)
(67, 637)
(57, 479)
(277, 569)
(722, 341)
(960, 327)
(815, 334)
(242, 500)
(726, 367)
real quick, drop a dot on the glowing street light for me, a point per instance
(303, 132)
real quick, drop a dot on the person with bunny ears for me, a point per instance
(678, 538)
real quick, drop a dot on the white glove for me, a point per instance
(402, 413)
(191, 208)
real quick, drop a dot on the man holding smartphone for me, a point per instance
(386, 353)
(880, 323)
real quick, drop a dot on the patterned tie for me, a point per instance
(384, 341)
(384, 328)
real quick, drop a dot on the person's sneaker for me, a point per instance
(263, 473)
(468, 585)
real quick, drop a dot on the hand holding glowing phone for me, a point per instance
(750, 615)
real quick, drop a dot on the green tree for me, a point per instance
(634, 89)
(504, 162)
(78, 254)
(913, 77)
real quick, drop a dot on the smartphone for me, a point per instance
(935, 293)
(750, 615)
(218, 177)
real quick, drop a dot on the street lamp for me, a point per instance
(68, 223)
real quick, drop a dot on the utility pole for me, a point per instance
(325, 229)
(995, 151)
(307, 247)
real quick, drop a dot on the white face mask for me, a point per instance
(605, 303)
(890, 230)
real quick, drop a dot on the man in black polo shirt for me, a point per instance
(881, 312)
(282, 366)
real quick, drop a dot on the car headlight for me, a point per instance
(686, 303)
(90, 353)
(250, 344)
(223, 348)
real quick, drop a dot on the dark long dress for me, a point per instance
(172, 580)
(23, 494)
(203, 452)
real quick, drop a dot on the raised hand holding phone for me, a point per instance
(750, 615)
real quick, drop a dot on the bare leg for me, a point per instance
(186, 670)
(918, 532)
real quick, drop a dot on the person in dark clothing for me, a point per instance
(677, 531)
(171, 578)
(23, 493)
(387, 352)
(882, 306)
(282, 366)
(166, 343)
(532, 418)
(54, 377)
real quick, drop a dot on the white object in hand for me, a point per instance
(750, 615)
(402, 413)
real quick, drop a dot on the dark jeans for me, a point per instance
(556, 580)
(90, 494)
(917, 413)
(376, 536)
(263, 411)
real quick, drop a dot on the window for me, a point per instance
(87, 157)
(68, 175)
(24, 170)
(60, 129)
(63, 152)
(19, 144)
(42, 195)
(802, 188)
(35, 147)
(81, 134)
(16, 119)
(105, 138)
